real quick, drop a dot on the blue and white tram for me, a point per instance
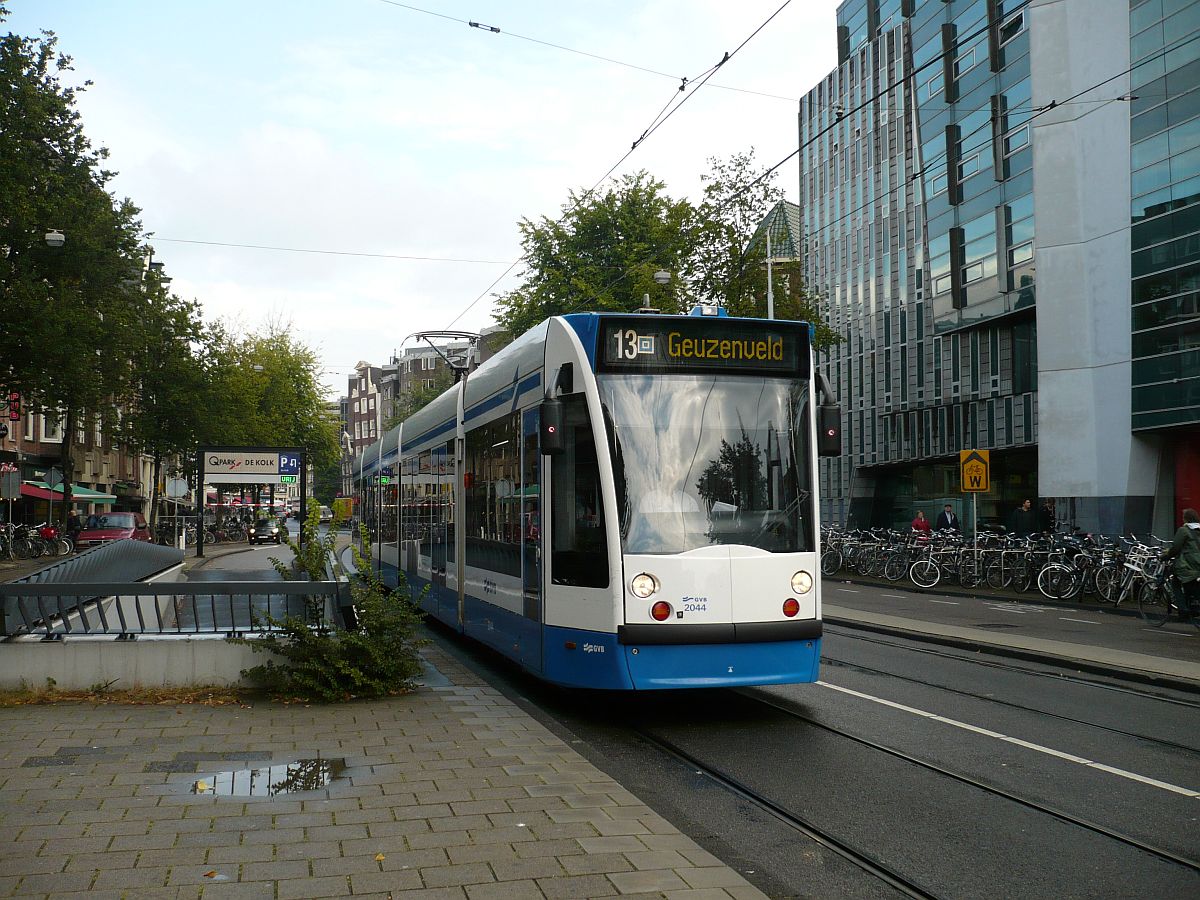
(621, 501)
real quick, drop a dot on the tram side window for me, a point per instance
(579, 549)
(410, 524)
(445, 463)
(495, 520)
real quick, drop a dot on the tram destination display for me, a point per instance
(681, 344)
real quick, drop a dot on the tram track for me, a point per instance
(823, 837)
(1042, 808)
(847, 664)
(857, 635)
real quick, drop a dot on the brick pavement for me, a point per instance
(449, 792)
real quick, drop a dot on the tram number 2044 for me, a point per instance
(695, 604)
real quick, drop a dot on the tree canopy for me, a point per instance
(602, 253)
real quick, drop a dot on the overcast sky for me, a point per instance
(370, 127)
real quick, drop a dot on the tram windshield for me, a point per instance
(708, 459)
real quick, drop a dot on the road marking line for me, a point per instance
(1049, 751)
(1084, 621)
(897, 596)
(947, 602)
(847, 590)
(1172, 633)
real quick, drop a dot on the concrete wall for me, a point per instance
(1086, 450)
(79, 663)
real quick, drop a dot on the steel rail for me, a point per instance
(841, 629)
(1041, 712)
(818, 835)
(1059, 814)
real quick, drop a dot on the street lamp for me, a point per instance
(662, 277)
(55, 238)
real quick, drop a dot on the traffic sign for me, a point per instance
(54, 478)
(10, 486)
(176, 488)
(974, 469)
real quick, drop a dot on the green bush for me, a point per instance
(328, 664)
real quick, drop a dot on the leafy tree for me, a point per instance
(265, 390)
(68, 313)
(168, 401)
(601, 255)
(728, 262)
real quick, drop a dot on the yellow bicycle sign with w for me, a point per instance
(974, 468)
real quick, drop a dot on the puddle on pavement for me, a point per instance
(271, 781)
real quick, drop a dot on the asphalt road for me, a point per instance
(959, 774)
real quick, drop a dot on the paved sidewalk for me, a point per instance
(449, 792)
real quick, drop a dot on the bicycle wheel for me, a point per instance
(1057, 581)
(831, 561)
(925, 573)
(997, 576)
(895, 567)
(1107, 584)
(1154, 602)
(970, 570)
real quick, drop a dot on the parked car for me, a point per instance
(113, 526)
(264, 531)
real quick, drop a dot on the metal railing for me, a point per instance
(127, 610)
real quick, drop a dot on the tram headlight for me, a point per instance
(643, 585)
(802, 582)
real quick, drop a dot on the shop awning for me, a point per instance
(39, 490)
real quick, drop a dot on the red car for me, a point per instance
(113, 526)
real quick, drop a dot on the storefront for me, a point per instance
(37, 499)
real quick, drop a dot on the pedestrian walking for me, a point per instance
(1023, 520)
(920, 523)
(1185, 550)
(947, 520)
(74, 526)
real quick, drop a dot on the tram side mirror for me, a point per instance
(829, 430)
(551, 438)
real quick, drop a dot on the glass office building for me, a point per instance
(947, 132)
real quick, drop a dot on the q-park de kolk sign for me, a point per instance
(250, 466)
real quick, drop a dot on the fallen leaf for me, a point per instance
(379, 857)
(212, 874)
(201, 786)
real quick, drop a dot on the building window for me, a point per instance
(98, 430)
(1024, 358)
(29, 426)
(1013, 27)
(52, 428)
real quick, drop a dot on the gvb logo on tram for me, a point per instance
(626, 502)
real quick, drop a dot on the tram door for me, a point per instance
(531, 541)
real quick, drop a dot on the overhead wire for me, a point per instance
(494, 262)
(596, 56)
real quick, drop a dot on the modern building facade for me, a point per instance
(967, 179)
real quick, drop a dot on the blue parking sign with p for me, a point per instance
(289, 464)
